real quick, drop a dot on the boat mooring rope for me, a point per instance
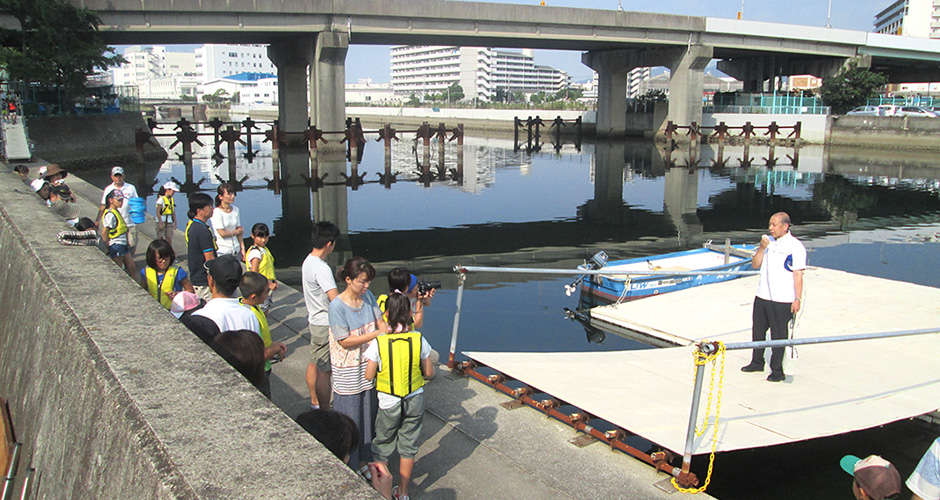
(701, 359)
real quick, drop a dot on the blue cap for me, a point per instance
(414, 283)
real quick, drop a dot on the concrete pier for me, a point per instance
(113, 398)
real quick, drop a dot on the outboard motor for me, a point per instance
(597, 261)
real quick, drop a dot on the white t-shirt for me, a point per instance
(110, 221)
(386, 400)
(317, 281)
(228, 222)
(925, 480)
(229, 315)
(781, 258)
(129, 192)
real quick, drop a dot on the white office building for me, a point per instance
(479, 71)
(914, 18)
(214, 61)
(143, 63)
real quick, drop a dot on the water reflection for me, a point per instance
(611, 195)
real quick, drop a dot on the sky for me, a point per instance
(846, 14)
(362, 61)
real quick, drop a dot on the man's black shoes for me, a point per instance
(753, 367)
(776, 377)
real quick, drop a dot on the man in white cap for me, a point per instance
(129, 191)
(875, 477)
(166, 211)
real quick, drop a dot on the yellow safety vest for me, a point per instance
(161, 293)
(168, 207)
(265, 329)
(186, 233)
(267, 262)
(401, 363)
(121, 225)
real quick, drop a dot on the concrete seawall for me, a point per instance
(886, 132)
(113, 398)
(93, 139)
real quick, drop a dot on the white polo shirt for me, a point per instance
(229, 315)
(781, 258)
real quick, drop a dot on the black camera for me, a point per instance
(425, 287)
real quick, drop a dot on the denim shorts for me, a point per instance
(115, 251)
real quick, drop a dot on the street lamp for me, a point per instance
(829, 16)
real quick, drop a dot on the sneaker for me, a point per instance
(753, 367)
(776, 377)
(396, 496)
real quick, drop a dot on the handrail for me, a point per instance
(463, 270)
(536, 270)
(709, 348)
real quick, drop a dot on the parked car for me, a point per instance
(865, 111)
(935, 109)
(915, 111)
(888, 109)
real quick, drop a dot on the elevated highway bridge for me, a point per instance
(309, 40)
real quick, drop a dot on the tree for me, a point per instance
(851, 87)
(413, 100)
(501, 95)
(220, 95)
(58, 44)
(569, 93)
(454, 93)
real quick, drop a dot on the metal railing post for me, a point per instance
(453, 338)
(693, 415)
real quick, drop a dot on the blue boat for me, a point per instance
(624, 287)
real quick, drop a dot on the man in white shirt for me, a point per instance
(225, 273)
(781, 259)
(319, 287)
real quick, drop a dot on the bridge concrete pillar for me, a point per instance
(687, 82)
(328, 84)
(291, 58)
(611, 67)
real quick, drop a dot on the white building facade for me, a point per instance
(143, 63)
(481, 72)
(914, 18)
(215, 61)
(252, 88)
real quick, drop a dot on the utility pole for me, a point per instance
(829, 16)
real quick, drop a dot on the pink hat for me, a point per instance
(182, 302)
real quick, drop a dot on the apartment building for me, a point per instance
(481, 72)
(914, 18)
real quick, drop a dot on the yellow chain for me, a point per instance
(700, 360)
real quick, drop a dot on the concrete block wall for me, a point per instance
(74, 140)
(113, 398)
(890, 132)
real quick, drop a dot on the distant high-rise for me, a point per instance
(914, 18)
(635, 78)
(480, 72)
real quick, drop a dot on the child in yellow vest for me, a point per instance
(399, 361)
(259, 259)
(254, 289)
(161, 278)
(114, 232)
(166, 211)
